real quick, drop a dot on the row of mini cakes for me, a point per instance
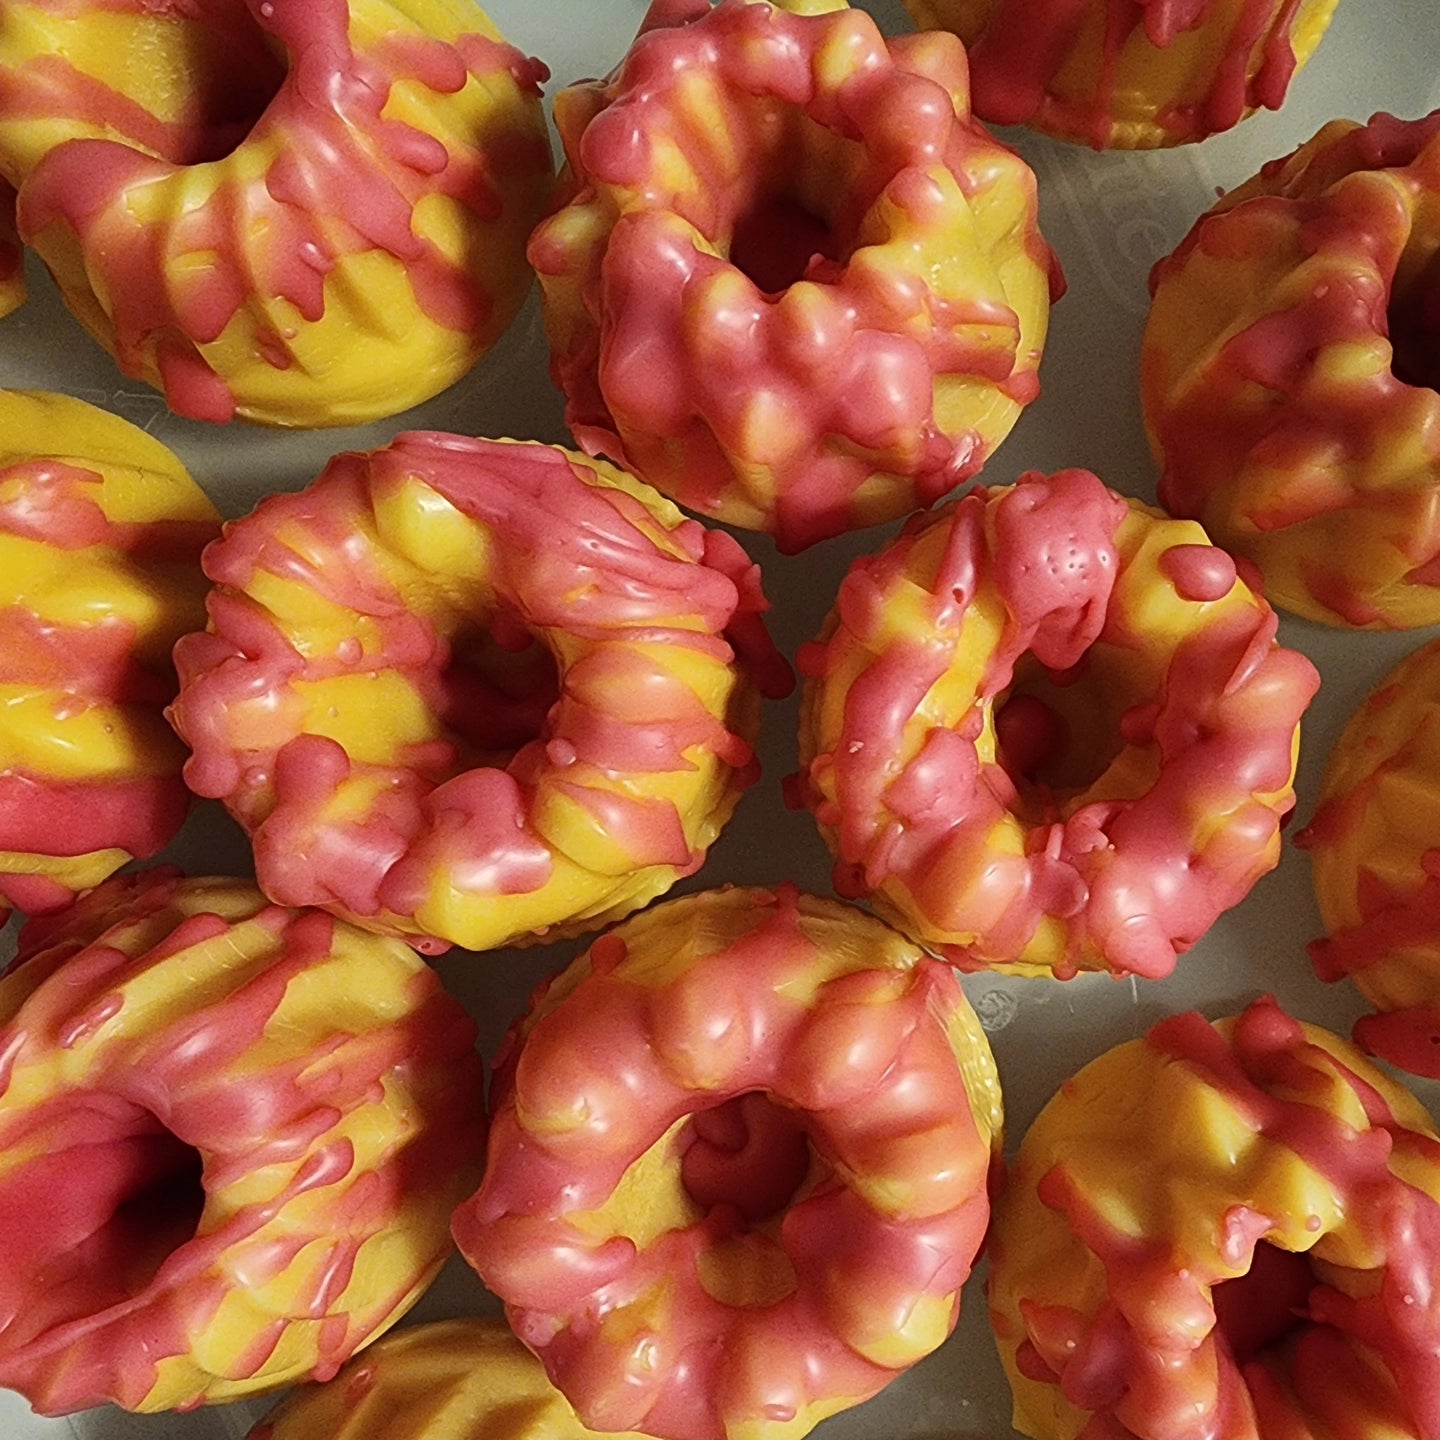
(480, 693)
(791, 354)
(888, 376)
(798, 362)
(235, 1139)
(483, 693)
(364, 200)
(260, 1121)
(1224, 1229)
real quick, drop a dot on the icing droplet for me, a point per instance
(561, 752)
(1199, 572)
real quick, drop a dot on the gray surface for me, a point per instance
(1109, 217)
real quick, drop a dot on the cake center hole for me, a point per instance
(795, 194)
(777, 238)
(498, 686)
(1414, 318)
(748, 1152)
(1255, 1310)
(1056, 732)
(159, 1206)
(107, 1210)
(207, 76)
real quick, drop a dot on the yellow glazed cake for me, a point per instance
(304, 212)
(1223, 1229)
(793, 285)
(101, 529)
(1289, 375)
(231, 1137)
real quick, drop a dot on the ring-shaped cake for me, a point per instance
(1289, 376)
(1374, 844)
(739, 1166)
(1223, 1230)
(1048, 729)
(101, 529)
(1128, 75)
(304, 212)
(793, 285)
(231, 1137)
(475, 692)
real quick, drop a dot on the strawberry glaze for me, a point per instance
(323, 175)
(1283, 376)
(213, 1181)
(654, 627)
(1117, 1334)
(899, 238)
(844, 1033)
(942, 829)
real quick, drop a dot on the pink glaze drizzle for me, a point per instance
(94, 1293)
(1017, 57)
(344, 179)
(1123, 875)
(863, 1066)
(662, 376)
(570, 559)
(1142, 1374)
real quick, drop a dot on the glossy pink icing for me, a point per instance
(860, 1066)
(57, 503)
(1139, 1366)
(1018, 55)
(568, 558)
(343, 179)
(661, 377)
(1123, 874)
(107, 1263)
